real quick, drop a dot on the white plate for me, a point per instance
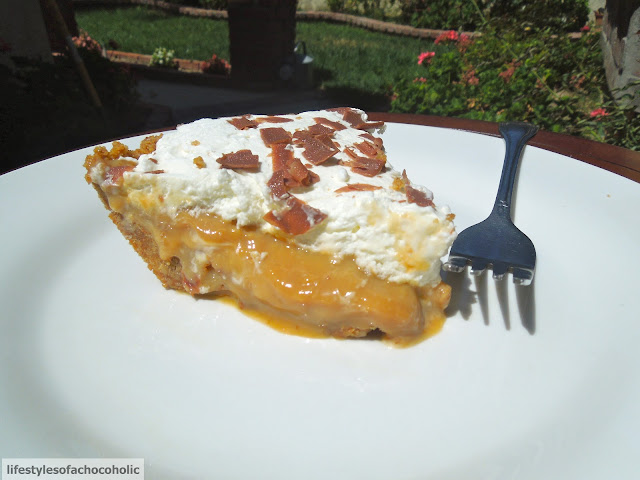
(98, 360)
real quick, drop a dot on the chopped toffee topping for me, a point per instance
(329, 123)
(318, 129)
(367, 148)
(339, 109)
(239, 159)
(317, 152)
(326, 139)
(195, 143)
(377, 141)
(155, 172)
(277, 184)
(418, 197)
(199, 162)
(300, 137)
(301, 174)
(273, 135)
(352, 117)
(357, 187)
(274, 119)
(369, 125)
(242, 123)
(397, 185)
(355, 119)
(297, 218)
(414, 195)
(369, 167)
(288, 171)
(280, 156)
(350, 153)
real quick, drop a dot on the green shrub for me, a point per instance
(442, 14)
(554, 15)
(336, 5)
(380, 9)
(550, 80)
(210, 4)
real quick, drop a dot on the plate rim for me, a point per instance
(618, 160)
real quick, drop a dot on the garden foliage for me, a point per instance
(442, 14)
(555, 15)
(551, 80)
(210, 4)
(545, 15)
(380, 9)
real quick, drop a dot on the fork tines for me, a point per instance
(521, 275)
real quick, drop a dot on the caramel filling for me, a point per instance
(292, 289)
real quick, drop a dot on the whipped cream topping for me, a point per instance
(384, 233)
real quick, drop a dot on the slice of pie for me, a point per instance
(299, 217)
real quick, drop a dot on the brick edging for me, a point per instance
(376, 25)
(145, 60)
(188, 71)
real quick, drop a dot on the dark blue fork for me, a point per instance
(496, 242)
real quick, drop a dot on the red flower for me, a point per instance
(449, 36)
(586, 28)
(469, 77)
(508, 73)
(598, 112)
(463, 42)
(425, 56)
(86, 42)
(217, 65)
(421, 80)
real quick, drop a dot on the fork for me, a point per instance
(496, 242)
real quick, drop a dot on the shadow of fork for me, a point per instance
(463, 299)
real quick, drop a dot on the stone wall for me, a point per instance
(621, 48)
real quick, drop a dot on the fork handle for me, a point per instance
(516, 135)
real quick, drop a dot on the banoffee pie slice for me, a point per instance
(300, 217)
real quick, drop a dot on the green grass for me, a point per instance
(142, 30)
(354, 60)
(349, 62)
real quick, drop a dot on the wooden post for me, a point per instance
(262, 36)
(66, 10)
(61, 27)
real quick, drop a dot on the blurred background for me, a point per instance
(79, 72)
